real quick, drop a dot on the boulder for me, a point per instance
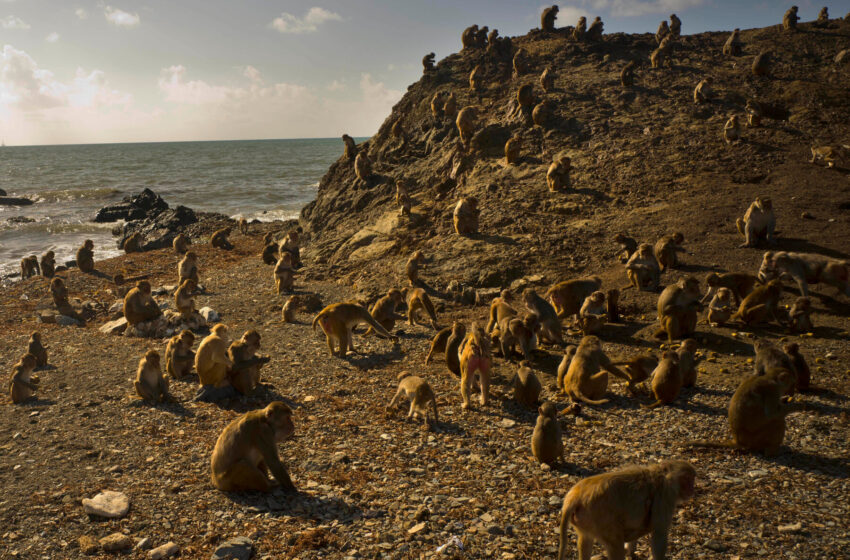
(146, 204)
(240, 548)
(158, 232)
(2, 192)
(65, 321)
(116, 327)
(107, 504)
(210, 315)
(13, 201)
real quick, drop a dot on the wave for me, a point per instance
(64, 195)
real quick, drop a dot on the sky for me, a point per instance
(87, 71)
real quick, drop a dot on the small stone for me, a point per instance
(88, 545)
(116, 327)
(65, 321)
(143, 544)
(507, 423)
(793, 528)
(164, 551)
(209, 315)
(714, 545)
(107, 504)
(843, 56)
(416, 528)
(116, 542)
(240, 548)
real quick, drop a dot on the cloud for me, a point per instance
(567, 15)
(81, 13)
(336, 85)
(315, 16)
(52, 38)
(120, 17)
(13, 22)
(631, 8)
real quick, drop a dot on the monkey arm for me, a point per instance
(614, 370)
(249, 362)
(28, 384)
(268, 449)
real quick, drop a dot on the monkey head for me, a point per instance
(690, 285)
(597, 297)
(49, 255)
(36, 336)
(187, 337)
(279, 416)
(29, 361)
(396, 295)
(89, 244)
(532, 322)
(792, 348)
(689, 345)
(144, 286)
(670, 355)
(220, 330)
(56, 284)
(152, 357)
(678, 237)
(252, 338)
(764, 203)
(458, 329)
(725, 294)
(685, 476)
(645, 251)
(472, 201)
(547, 409)
(191, 255)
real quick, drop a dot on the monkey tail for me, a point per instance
(429, 307)
(402, 375)
(740, 224)
(434, 407)
(319, 315)
(585, 400)
(726, 444)
(656, 404)
(567, 511)
(378, 328)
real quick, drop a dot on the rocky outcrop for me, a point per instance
(145, 205)
(14, 201)
(159, 231)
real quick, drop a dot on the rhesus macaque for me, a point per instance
(418, 300)
(703, 92)
(438, 343)
(593, 313)
(823, 18)
(547, 444)
(688, 362)
(338, 319)
(627, 74)
(383, 311)
(770, 357)
(733, 45)
(29, 267)
(284, 274)
(512, 149)
(638, 368)
(179, 356)
(790, 19)
(675, 25)
(586, 379)
(139, 305)
(805, 269)
(612, 299)
(22, 383)
(732, 130)
(420, 395)
(594, 32)
(133, 244)
(219, 239)
(800, 316)
(184, 300)
(662, 53)
(642, 268)
(247, 449)
(550, 325)
(666, 249)
(350, 147)
(291, 243)
(59, 293)
(500, 309)
(547, 18)
(181, 244)
(35, 347)
(437, 104)
(758, 223)
(547, 80)
(469, 37)
(243, 226)
(663, 31)
(476, 79)
(666, 380)
(466, 122)
(568, 297)
(475, 357)
(150, 384)
(466, 216)
(290, 308)
(402, 198)
(628, 246)
(427, 63)
(450, 106)
(580, 29)
(739, 283)
(678, 305)
(526, 386)
(761, 305)
(513, 332)
(720, 309)
(827, 154)
(188, 268)
(453, 347)
(520, 62)
(618, 507)
(211, 360)
(801, 367)
(542, 114)
(363, 168)
(761, 64)
(416, 260)
(564, 366)
(48, 264)
(558, 175)
(244, 374)
(85, 256)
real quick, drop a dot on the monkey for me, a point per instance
(383, 311)
(181, 244)
(211, 360)
(59, 293)
(465, 216)
(758, 223)
(586, 379)
(438, 343)
(564, 366)
(663, 31)
(397, 131)
(757, 413)
(475, 357)
(450, 106)
(732, 130)
(247, 449)
(628, 246)
(428, 63)
(547, 80)
(85, 257)
(150, 384)
(29, 267)
(453, 345)
(525, 97)
(481, 37)
(466, 122)
(558, 175)
(618, 507)
(642, 269)
(476, 80)
(678, 305)
(402, 198)
(799, 317)
(289, 309)
(133, 244)
(520, 62)
(284, 274)
(412, 267)
(594, 32)
(733, 45)
(593, 313)
(754, 113)
(188, 268)
(761, 64)
(179, 356)
(790, 19)
(500, 309)
(291, 244)
(270, 253)
(804, 374)
(720, 308)
(139, 305)
(512, 149)
(662, 53)
(580, 29)
(363, 168)
(703, 92)
(513, 331)
(760, 305)
(420, 395)
(219, 239)
(526, 386)
(547, 444)
(35, 348)
(666, 380)
(805, 269)
(568, 297)
(338, 319)
(469, 36)
(688, 362)
(675, 25)
(243, 226)
(22, 383)
(823, 18)
(48, 264)
(612, 298)
(627, 74)
(547, 18)
(541, 115)
(638, 369)
(437, 104)
(666, 249)
(183, 300)
(244, 374)
(350, 147)
(418, 300)
(550, 325)
(770, 357)
(827, 154)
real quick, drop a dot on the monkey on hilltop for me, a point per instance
(547, 18)
(427, 63)
(350, 147)
(733, 45)
(627, 74)
(790, 19)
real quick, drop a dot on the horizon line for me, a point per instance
(176, 141)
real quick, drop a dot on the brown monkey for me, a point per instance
(450, 106)
(666, 380)
(60, 298)
(800, 316)
(638, 368)
(133, 244)
(219, 239)
(801, 367)
(437, 104)
(675, 25)
(363, 168)
(586, 379)
(188, 268)
(338, 319)
(568, 297)
(183, 300)
(48, 264)
(525, 97)
(475, 358)
(412, 267)
(291, 243)
(270, 253)
(350, 147)
(481, 38)
(520, 62)
(627, 74)
(420, 395)
(550, 325)
(211, 360)
(526, 386)
(666, 249)
(466, 123)
(790, 19)
(761, 305)
(761, 64)
(500, 309)
(181, 244)
(402, 198)
(678, 305)
(558, 175)
(827, 154)
(179, 356)
(243, 226)
(150, 383)
(720, 309)
(438, 343)
(732, 130)
(22, 383)
(594, 32)
(453, 346)
(758, 223)
(476, 79)
(428, 63)
(85, 256)
(247, 449)
(289, 309)
(383, 311)
(593, 313)
(755, 112)
(564, 366)
(805, 269)
(466, 215)
(512, 149)
(612, 298)
(35, 347)
(770, 357)
(547, 18)
(739, 283)
(418, 300)
(284, 274)
(469, 36)
(541, 115)
(580, 29)
(547, 444)
(733, 45)
(663, 31)
(662, 53)
(513, 331)
(628, 246)
(642, 268)
(244, 374)
(139, 305)
(688, 362)
(823, 18)
(547, 80)
(618, 507)
(703, 92)
(29, 267)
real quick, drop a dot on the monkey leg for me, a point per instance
(464, 387)
(617, 551)
(144, 391)
(412, 412)
(243, 476)
(585, 547)
(330, 344)
(739, 223)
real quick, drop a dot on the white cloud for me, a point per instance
(336, 85)
(120, 17)
(315, 16)
(13, 22)
(630, 8)
(52, 38)
(81, 13)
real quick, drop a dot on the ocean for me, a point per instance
(262, 179)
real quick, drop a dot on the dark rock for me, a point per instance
(159, 231)
(12, 201)
(2, 192)
(144, 205)
(20, 220)
(240, 548)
